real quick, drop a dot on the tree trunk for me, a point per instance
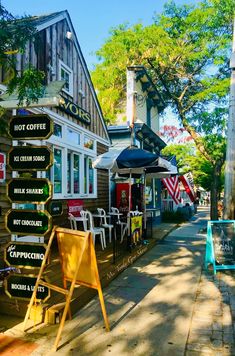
(214, 191)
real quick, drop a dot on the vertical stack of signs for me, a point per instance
(24, 191)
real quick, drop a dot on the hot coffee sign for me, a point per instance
(33, 127)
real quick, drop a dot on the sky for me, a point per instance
(92, 20)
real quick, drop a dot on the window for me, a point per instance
(88, 143)
(57, 170)
(73, 173)
(73, 136)
(66, 74)
(88, 176)
(57, 130)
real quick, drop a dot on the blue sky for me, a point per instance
(93, 19)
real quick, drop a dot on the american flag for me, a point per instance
(172, 184)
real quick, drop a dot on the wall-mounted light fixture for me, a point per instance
(69, 35)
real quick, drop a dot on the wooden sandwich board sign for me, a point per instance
(220, 245)
(79, 267)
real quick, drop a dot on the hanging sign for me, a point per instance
(33, 127)
(2, 167)
(34, 190)
(25, 158)
(55, 208)
(22, 286)
(23, 255)
(22, 222)
(220, 244)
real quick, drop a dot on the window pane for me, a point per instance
(65, 77)
(69, 180)
(57, 171)
(85, 175)
(57, 130)
(88, 143)
(76, 174)
(91, 177)
(73, 136)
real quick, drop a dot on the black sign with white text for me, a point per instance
(31, 127)
(34, 190)
(20, 254)
(26, 158)
(23, 222)
(22, 286)
(223, 237)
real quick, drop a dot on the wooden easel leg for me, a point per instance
(33, 297)
(106, 322)
(68, 299)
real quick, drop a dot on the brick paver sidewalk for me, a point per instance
(212, 330)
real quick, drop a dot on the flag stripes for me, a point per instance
(172, 185)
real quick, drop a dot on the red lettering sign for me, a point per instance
(75, 206)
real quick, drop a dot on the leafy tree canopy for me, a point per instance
(14, 34)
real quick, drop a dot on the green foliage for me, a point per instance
(183, 154)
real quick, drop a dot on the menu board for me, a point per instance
(223, 237)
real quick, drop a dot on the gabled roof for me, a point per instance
(42, 22)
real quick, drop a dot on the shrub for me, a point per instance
(173, 216)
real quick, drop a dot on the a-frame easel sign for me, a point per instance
(79, 267)
(220, 245)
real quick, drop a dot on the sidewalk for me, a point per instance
(163, 304)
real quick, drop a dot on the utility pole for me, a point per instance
(229, 185)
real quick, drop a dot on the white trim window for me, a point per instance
(72, 174)
(66, 74)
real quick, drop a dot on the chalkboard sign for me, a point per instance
(220, 245)
(223, 236)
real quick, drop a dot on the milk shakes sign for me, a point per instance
(33, 190)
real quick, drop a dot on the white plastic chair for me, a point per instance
(123, 224)
(73, 222)
(103, 220)
(94, 230)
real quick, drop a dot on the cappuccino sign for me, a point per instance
(19, 254)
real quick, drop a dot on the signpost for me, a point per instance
(33, 158)
(220, 245)
(23, 222)
(33, 127)
(23, 255)
(33, 190)
(21, 286)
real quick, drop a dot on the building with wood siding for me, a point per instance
(80, 132)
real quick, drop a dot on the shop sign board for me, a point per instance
(2, 167)
(33, 127)
(23, 222)
(24, 255)
(30, 158)
(74, 110)
(75, 206)
(220, 244)
(55, 208)
(21, 287)
(34, 190)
